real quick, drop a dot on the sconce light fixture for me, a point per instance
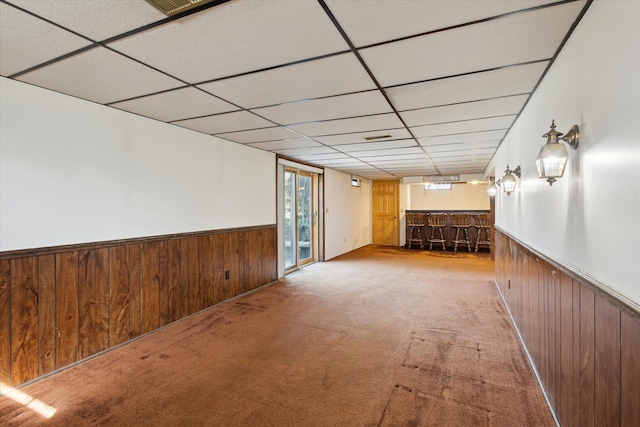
(492, 189)
(508, 181)
(553, 156)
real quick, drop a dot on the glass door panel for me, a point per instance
(290, 231)
(305, 218)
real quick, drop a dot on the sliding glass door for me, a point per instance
(299, 218)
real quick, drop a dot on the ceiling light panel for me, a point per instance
(376, 122)
(286, 144)
(27, 41)
(477, 125)
(489, 84)
(327, 108)
(510, 40)
(119, 77)
(177, 104)
(98, 20)
(260, 135)
(227, 122)
(463, 137)
(314, 79)
(219, 43)
(351, 138)
(465, 111)
(377, 21)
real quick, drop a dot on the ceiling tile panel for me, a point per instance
(356, 124)
(238, 37)
(119, 78)
(98, 20)
(176, 105)
(478, 125)
(464, 111)
(385, 156)
(351, 138)
(286, 144)
(384, 145)
(28, 41)
(319, 157)
(227, 122)
(389, 152)
(314, 79)
(305, 151)
(463, 137)
(509, 40)
(463, 146)
(260, 135)
(357, 104)
(377, 21)
(490, 84)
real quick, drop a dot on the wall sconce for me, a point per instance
(553, 156)
(492, 189)
(508, 181)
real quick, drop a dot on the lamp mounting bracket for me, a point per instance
(572, 138)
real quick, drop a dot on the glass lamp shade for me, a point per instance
(509, 183)
(492, 190)
(551, 161)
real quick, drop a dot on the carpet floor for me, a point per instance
(378, 337)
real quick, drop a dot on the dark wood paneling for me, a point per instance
(24, 312)
(135, 290)
(119, 310)
(630, 368)
(93, 284)
(67, 308)
(5, 325)
(59, 306)
(584, 343)
(150, 291)
(607, 363)
(47, 320)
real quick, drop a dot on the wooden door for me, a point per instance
(386, 206)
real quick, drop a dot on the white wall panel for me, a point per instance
(590, 219)
(72, 172)
(347, 213)
(460, 197)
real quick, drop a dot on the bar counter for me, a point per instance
(448, 231)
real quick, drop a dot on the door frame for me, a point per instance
(396, 211)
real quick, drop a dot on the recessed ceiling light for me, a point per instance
(171, 7)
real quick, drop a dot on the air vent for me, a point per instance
(373, 138)
(171, 7)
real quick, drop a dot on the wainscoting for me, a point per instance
(584, 343)
(62, 304)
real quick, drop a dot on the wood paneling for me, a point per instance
(5, 325)
(583, 342)
(60, 305)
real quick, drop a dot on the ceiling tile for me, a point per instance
(413, 156)
(466, 126)
(119, 77)
(464, 111)
(463, 146)
(388, 152)
(357, 104)
(260, 135)
(354, 149)
(236, 37)
(377, 21)
(286, 144)
(98, 20)
(352, 138)
(27, 41)
(305, 151)
(318, 157)
(513, 39)
(519, 79)
(356, 124)
(227, 122)
(314, 79)
(176, 105)
(463, 137)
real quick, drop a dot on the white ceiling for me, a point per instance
(437, 83)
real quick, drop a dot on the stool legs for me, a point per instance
(441, 240)
(486, 236)
(465, 231)
(412, 239)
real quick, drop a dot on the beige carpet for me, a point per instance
(378, 337)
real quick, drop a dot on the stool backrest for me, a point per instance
(437, 219)
(460, 220)
(482, 221)
(415, 219)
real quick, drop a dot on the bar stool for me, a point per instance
(437, 221)
(483, 223)
(415, 222)
(461, 222)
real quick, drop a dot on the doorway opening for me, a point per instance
(300, 218)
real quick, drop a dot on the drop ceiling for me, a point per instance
(378, 88)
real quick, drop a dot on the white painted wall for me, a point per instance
(347, 214)
(590, 219)
(72, 171)
(460, 197)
